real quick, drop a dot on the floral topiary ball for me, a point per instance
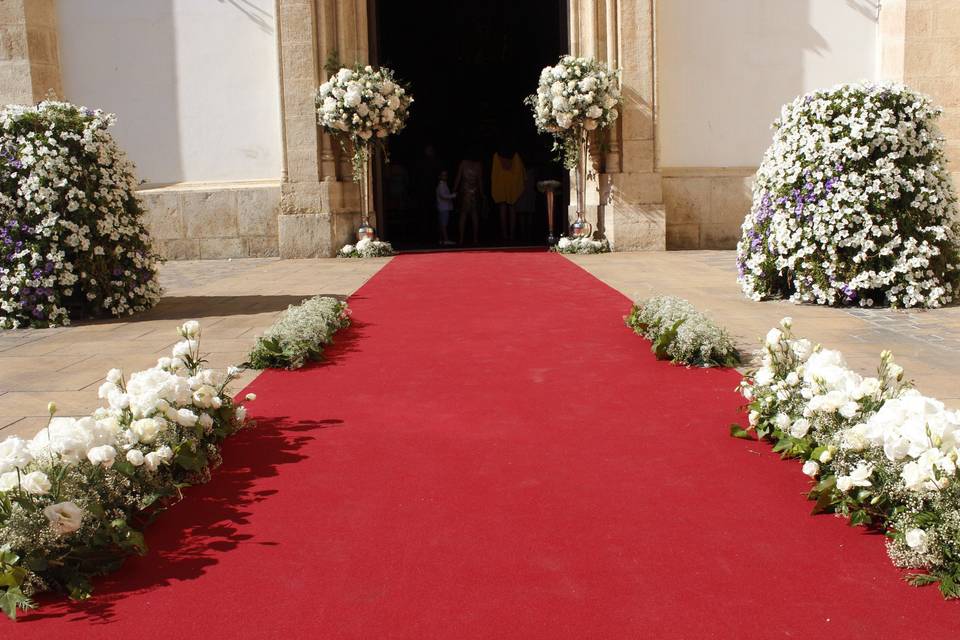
(72, 242)
(852, 204)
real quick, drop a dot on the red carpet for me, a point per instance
(490, 453)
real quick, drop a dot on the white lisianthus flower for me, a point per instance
(859, 477)
(114, 376)
(811, 468)
(347, 249)
(14, 454)
(36, 483)
(773, 337)
(103, 455)
(135, 457)
(826, 456)
(64, 517)
(782, 421)
(250, 397)
(800, 427)
(186, 418)
(563, 243)
(151, 461)
(146, 429)
(9, 481)
(164, 454)
(190, 330)
(916, 539)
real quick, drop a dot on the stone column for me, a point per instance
(319, 203)
(920, 47)
(628, 196)
(29, 52)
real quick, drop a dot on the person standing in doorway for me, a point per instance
(444, 206)
(507, 179)
(469, 184)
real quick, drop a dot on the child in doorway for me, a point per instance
(444, 206)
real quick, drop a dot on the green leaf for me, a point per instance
(858, 518)
(824, 503)
(13, 599)
(739, 432)
(921, 579)
(190, 460)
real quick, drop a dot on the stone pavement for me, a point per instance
(234, 300)
(925, 343)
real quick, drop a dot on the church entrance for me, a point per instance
(469, 65)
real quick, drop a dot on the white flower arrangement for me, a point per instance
(300, 334)
(72, 242)
(367, 248)
(682, 334)
(73, 498)
(582, 245)
(577, 95)
(361, 105)
(882, 454)
(852, 203)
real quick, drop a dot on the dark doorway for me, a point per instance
(469, 66)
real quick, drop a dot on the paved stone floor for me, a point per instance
(925, 343)
(235, 300)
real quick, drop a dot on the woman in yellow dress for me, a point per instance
(508, 178)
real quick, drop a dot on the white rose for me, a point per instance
(347, 249)
(103, 455)
(35, 482)
(916, 539)
(203, 396)
(151, 461)
(184, 348)
(146, 429)
(352, 98)
(251, 397)
(754, 418)
(135, 457)
(114, 376)
(782, 421)
(826, 456)
(844, 483)
(344, 74)
(64, 517)
(387, 115)
(793, 379)
(387, 88)
(205, 420)
(811, 468)
(594, 112)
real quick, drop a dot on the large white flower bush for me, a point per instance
(72, 242)
(300, 334)
(880, 452)
(576, 95)
(853, 204)
(681, 334)
(361, 105)
(75, 498)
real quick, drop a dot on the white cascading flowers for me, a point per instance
(852, 204)
(367, 248)
(882, 453)
(78, 488)
(72, 238)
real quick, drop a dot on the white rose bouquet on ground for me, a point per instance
(881, 454)
(852, 204)
(74, 499)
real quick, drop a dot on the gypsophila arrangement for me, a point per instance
(880, 453)
(680, 333)
(361, 105)
(74, 500)
(575, 96)
(581, 245)
(852, 204)
(300, 334)
(72, 239)
(367, 248)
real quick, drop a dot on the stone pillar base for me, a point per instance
(636, 227)
(306, 235)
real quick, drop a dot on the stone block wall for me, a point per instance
(205, 221)
(706, 206)
(29, 51)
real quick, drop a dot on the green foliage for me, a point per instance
(680, 333)
(300, 334)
